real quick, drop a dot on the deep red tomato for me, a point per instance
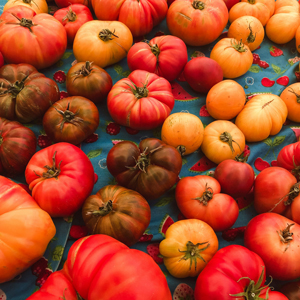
(150, 169)
(56, 287)
(276, 240)
(41, 42)
(17, 145)
(164, 55)
(1, 60)
(289, 158)
(236, 178)
(25, 94)
(139, 16)
(202, 73)
(230, 3)
(66, 3)
(199, 197)
(88, 80)
(61, 177)
(142, 101)
(72, 18)
(97, 263)
(291, 290)
(71, 120)
(233, 273)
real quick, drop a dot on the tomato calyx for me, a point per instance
(16, 88)
(253, 290)
(181, 149)
(155, 50)
(23, 22)
(85, 70)
(104, 210)
(206, 196)
(193, 252)
(251, 37)
(52, 172)
(106, 35)
(291, 90)
(226, 137)
(237, 45)
(70, 16)
(139, 92)
(286, 236)
(198, 4)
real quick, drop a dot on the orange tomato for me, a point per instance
(222, 140)
(233, 56)
(284, 3)
(183, 131)
(291, 97)
(189, 245)
(39, 6)
(225, 100)
(247, 29)
(263, 115)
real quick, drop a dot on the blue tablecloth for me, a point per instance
(279, 69)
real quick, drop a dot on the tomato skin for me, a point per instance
(1, 60)
(236, 178)
(72, 18)
(65, 192)
(268, 245)
(164, 55)
(291, 290)
(220, 212)
(41, 46)
(161, 174)
(66, 3)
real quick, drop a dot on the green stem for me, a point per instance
(226, 137)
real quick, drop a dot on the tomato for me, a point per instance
(25, 94)
(164, 55)
(66, 3)
(88, 80)
(291, 290)
(202, 73)
(199, 197)
(56, 287)
(71, 120)
(1, 60)
(72, 18)
(142, 101)
(60, 177)
(278, 244)
(41, 41)
(153, 165)
(139, 16)
(39, 6)
(274, 295)
(188, 246)
(25, 230)
(235, 177)
(291, 97)
(234, 272)
(197, 23)
(118, 212)
(102, 261)
(230, 3)
(102, 42)
(17, 145)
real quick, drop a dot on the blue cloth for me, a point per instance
(109, 133)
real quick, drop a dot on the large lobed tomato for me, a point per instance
(142, 101)
(61, 177)
(164, 55)
(151, 168)
(25, 94)
(41, 42)
(17, 145)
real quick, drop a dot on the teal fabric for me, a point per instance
(280, 70)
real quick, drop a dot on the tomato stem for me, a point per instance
(251, 1)
(16, 88)
(241, 157)
(22, 22)
(286, 236)
(139, 92)
(70, 16)
(181, 149)
(251, 38)
(106, 35)
(104, 210)
(85, 70)
(52, 172)
(291, 90)
(198, 4)
(226, 137)
(238, 46)
(155, 50)
(206, 196)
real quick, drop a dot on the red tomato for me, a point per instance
(199, 197)
(1, 60)
(165, 56)
(142, 101)
(66, 3)
(61, 177)
(41, 41)
(274, 295)
(72, 18)
(276, 240)
(202, 73)
(233, 270)
(236, 178)
(289, 158)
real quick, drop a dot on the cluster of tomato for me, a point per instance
(117, 216)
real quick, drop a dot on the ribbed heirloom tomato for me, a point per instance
(39, 6)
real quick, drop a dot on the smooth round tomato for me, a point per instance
(88, 80)
(118, 212)
(41, 42)
(17, 145)
(72, 18)
(291, 97)
(142, 101)
(278, 244)
(188, 246)
(71, 120)
(199, 197)
(151, 168)
(39, 6)
(164, 55)
(60, 177)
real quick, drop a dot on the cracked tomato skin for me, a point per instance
(219, 279)
(162, 165)
(73, 181)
